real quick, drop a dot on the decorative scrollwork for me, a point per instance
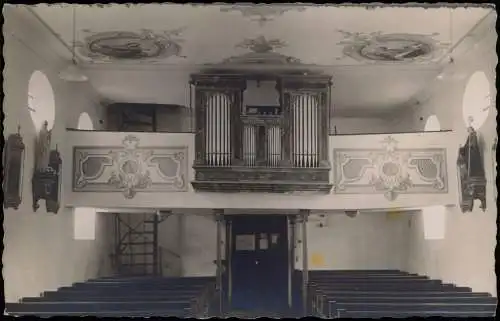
(130, 169)
(389, 170)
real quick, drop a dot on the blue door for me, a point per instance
(259, 263)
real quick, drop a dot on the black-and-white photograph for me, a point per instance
(279, 160)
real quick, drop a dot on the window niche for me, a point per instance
(47, 163)
(477, 102)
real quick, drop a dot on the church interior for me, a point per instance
(246, 160)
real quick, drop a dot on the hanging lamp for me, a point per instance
(72, 73)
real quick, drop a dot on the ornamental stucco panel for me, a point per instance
(390, 171)
(130, 168)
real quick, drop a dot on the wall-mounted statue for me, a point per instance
(13, 161)
(46, 175)
(472, 178)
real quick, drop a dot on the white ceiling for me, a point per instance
(316, 35)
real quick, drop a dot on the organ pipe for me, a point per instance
(218, 130)
(295, 134)
(249, 145)
(305, 139)
(274, 145)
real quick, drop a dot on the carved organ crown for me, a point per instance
(280, 145)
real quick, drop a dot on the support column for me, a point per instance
(229, 247)
(305, 258)
(156, 263)
(291, 261)
(181, 232)
(219, 214)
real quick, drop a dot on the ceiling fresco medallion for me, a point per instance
(126, 45)
(390, 48)
(261, 44)
(262, 13)
(262, 52)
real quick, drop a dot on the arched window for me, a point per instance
(85, 122)
(477, 100)
(434, 218)
(84, 220)
(432, 124)
(41, 102)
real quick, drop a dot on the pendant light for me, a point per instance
(72, 73)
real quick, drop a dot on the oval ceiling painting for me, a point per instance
(394, 48)
(390, 48)
(124, 45)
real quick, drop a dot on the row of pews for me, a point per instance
(391, 293)
(123, 296)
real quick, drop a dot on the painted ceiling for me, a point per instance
(156, 36)
(200, 34)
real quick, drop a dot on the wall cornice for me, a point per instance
(21, 25)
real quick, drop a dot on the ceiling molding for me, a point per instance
(478, 34)
(60, 47)
(22, 25)
(323, 68)
(474, 35)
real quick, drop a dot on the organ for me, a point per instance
(276, 145)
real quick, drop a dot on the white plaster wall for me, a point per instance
(40, 253)
(200, 248)
(466, 255)
(359, 125)
(367, 241)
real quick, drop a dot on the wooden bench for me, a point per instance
(132, 297)
(142, 285)
(368, 303)
(152, 278)
(69, 292)
(358, 314)
(148, 281)
(370, 280)
(337, 308)
(357, 272)
(183, 313)
(148, 287)
(320, 296)
(96, 307)
(388, 286)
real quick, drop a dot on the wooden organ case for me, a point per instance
(267, 148)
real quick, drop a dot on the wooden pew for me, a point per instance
(389, 271)
(417, 303)
(136, 286)
(386, 286)
(320, 296)
(183, 313)
(337, 308)
(132, 297)
(71, 292)
(156, 280)
(95, 307)
(358, 314)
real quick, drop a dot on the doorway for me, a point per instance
(259, 263)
